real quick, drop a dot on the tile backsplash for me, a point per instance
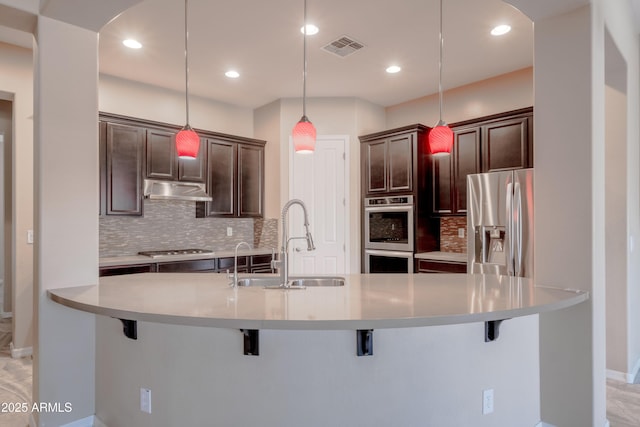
(449, 240)
(169, 224)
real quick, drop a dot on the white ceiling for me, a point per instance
(261, 40)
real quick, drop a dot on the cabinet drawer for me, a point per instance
(430, 266)
(187, 266)
(261, 259)
(126, 269)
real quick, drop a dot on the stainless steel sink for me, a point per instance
(296, 282)
(317, 281)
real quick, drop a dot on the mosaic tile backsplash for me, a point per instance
(449, 240)
(169, 224)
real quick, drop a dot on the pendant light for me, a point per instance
(187, 140)
(304, 133)
(441, 136)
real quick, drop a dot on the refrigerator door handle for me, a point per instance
(510, 229)
(517, 235)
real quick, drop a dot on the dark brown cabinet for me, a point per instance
(493, 143)
(246, 264)
(431, 266)
(134, 149)
(505, 145)
(122, 148)
(162, 160)
(388, 162)
(236, 179)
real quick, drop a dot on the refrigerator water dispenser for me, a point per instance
(490, 245)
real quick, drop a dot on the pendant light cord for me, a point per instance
(304, 63)
(440, 64)
(186, 59)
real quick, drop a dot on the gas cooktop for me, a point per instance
(175, 252)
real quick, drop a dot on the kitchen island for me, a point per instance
(428, 344)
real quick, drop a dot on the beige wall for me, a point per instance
(16, 77)
(616, 226)
(134, 99)
(495, 95)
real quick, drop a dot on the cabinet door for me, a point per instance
(124, 150)
(376, 167)
(250, 181)
(466, 160)
(222, 178)
(442, 184)
(194, 170)
(162, 159)
(400, 158)
(505, 145)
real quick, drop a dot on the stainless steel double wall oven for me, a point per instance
(388, 234)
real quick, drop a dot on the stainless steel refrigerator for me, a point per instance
(500, 223)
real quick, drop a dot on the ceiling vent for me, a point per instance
(343, 46)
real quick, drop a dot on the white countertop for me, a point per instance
(143, 259)
(365, 302)
(442, 256)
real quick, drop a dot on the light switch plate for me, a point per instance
(229, 231)
(461, 232)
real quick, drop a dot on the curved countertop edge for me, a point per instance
(337, 324)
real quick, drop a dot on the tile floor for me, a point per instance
(623, 400)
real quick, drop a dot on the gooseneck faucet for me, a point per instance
(283, 263)
(235, 264)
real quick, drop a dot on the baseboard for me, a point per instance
(623, 376)
(91, 421)
(6, 315)
(84, 422)
(17, 353)
(634, 371)
(542, 424)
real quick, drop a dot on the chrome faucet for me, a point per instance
(283, 263)
(234, 283)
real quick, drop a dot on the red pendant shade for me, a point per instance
(440, 140)
(304, 136)
(187, 143)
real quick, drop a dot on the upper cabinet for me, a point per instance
(134, 149)
(488, 144)
(389, 160)
(162, 160)
(236, 178)
(121, 149)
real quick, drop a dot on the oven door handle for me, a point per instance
(397, 254)
(388, 208)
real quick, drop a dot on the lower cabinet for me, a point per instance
(431, 266)
(246, 264)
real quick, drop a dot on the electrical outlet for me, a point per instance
(30, 237)
(461, 232)
(145, 400)
(229, 231)
(487, 401)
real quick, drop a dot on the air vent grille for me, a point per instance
(343, 46)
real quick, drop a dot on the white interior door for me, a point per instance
(319, 180)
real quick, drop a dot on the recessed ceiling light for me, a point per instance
(500, 30)
(311, 29)
(393, 69)
(131, 43)
(232, 74)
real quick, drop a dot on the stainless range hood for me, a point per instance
(174, 190)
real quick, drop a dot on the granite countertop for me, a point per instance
(142, 259)
(443, 256)
(366, 301)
